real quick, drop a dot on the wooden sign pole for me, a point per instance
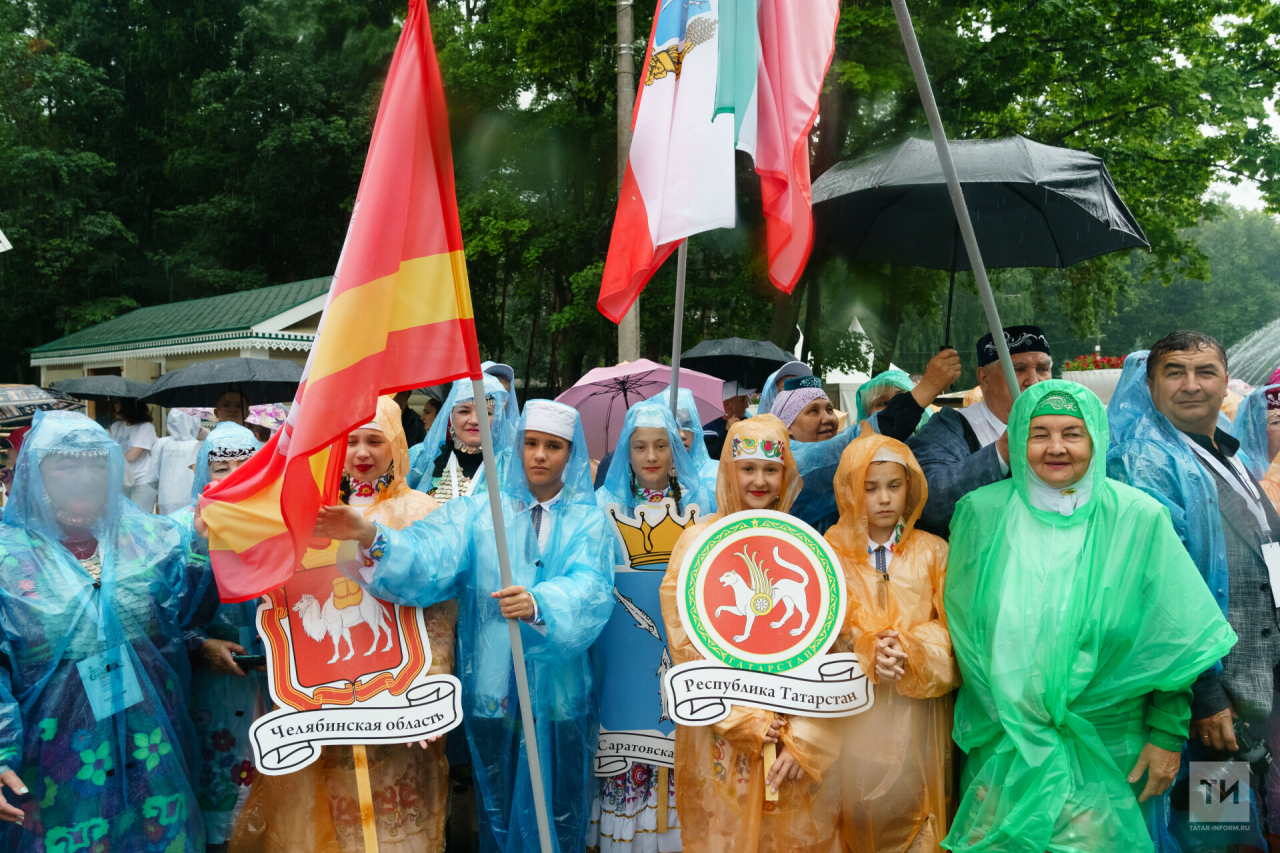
(368, 820)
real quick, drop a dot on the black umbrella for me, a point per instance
(1032, 205)
(262, 380)
(19, 403)
(740, 360)
(103, 388)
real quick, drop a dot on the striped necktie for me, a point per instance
(537, 513)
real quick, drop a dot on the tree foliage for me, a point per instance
(173, 149)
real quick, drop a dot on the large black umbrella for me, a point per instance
(740, 360)
(261, 380)
(103, 388)
(19, 403)
(1032, 205)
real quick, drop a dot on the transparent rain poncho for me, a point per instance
(1078, 638)
(223, 706)
(890, 378)
(617, 486)
(1250, 427)
(817, 462)
(422, 457)
(689, 421)
(896, 760)
(1148, 453)
(117, 776)
(453, 554)
(769, 392)
(719, 768)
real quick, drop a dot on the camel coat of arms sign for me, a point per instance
(762, 597)
(344, 667)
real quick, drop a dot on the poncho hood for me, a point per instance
(759, 428)
(1251, 428)
(225, 436)
(577, 473)
(617, 484)
(888, 379)
(849, 535)
(397, 505)
(1095, 419)
(182, 427)
(501, 426)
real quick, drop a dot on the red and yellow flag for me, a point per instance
(398, 317)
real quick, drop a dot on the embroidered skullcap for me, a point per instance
(766, 449)
(1017, 338)
(550, 417)
(798, 392)
(1273, 397)
(1058, 403)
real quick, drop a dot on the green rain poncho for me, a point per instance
(1078, 637)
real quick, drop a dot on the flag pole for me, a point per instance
(682, 261)
(939, 134)
(513, 625)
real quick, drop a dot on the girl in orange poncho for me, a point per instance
(896, 763)
(720, 778)
(317, 809)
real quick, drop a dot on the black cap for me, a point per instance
(1018, 338)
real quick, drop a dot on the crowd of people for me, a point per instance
(1062, 607)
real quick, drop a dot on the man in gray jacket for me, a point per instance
(964, 449)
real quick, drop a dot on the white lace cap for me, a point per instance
(550, 417)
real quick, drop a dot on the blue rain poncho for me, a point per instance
(1148, 453)
(1250, 428)
(769, 392)
(817, 462)
(617, 487)
(870, 389)
(222, 706)
(689, 421)
(1079, 633)
(452, 554)
(116, 776)
(422, 457)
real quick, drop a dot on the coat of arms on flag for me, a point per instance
(344, 667)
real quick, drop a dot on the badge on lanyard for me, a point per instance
(110, 682)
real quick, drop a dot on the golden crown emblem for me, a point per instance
(650, 543)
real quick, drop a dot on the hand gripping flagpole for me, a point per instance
(957, 195)
(682, 261)
(513, 625)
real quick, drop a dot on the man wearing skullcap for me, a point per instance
(965, 449)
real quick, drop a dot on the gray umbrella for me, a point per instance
(103, 388)
(1032, 205)
(740, 360)
(262, 380)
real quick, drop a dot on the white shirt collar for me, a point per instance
(986, 426)
(550, 502)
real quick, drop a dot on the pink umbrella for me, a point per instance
(603, 396)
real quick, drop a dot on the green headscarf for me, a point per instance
(1077, 637)
(871, 388)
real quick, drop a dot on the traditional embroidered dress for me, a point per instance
(896, 759)
(720, 768)
(93, 670)
(317, 809)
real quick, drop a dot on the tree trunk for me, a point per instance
(786, 311)
(533, 337)
(812, 319)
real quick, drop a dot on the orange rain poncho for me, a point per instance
(719, 768)
(317, 809)
(896, 760)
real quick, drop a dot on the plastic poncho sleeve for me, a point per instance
(577, 601)
(10, 711)
(1169, 718)
(930, 669)
(814, 742)
(426, 562)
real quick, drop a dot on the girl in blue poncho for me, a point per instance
(448, 461)
(650, 465)
(224, 698)
(93, 670)
(693, 437)
(561, 562)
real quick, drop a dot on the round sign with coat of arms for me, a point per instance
(761, 591)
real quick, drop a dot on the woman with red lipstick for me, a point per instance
(720, 778)
(446, 463)
(896, 759)
(307, 811)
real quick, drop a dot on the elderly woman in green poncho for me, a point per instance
(1079, 623)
